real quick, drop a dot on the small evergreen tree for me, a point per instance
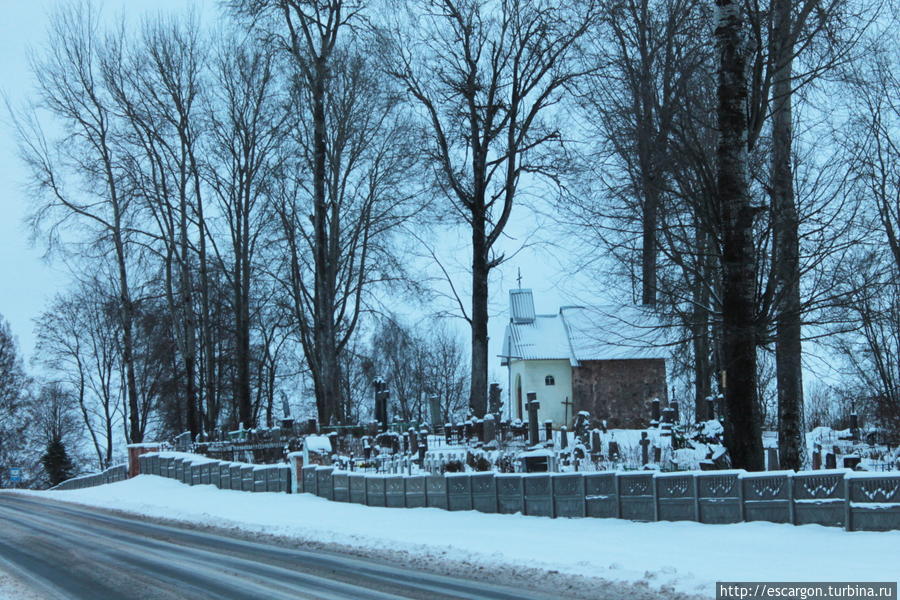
(56, 462)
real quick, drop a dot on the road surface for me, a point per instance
(62, 550)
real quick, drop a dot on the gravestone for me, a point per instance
(489, 429)
(710, 409)
(654, 412)
(830, 460)
(645, 448)
(596, 443)
(494, 401)
(563, 438)
(548, 431)
(613, 450)
(413, 440)
(772, 459)
(434, 410)
(533, 406)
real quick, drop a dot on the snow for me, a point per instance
(317, 443)
(685, 556)
(13, 587)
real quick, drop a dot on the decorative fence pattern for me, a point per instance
(110, 475)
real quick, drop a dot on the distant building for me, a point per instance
(609, 361)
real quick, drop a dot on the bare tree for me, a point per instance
(79, 178)
(248, 124)
(485, 74)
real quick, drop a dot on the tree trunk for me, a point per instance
(480, 272)
(648, 249)
(788, 351)
(742, 427)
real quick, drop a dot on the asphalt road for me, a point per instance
(67, 551)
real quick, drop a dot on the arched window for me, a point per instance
(549, 380)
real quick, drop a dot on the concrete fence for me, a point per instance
(223, 475)
(841, 498)
(110, 475)
(856, 501)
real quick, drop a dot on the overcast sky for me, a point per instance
(28, 283)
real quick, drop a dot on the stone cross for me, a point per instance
(566, 404)
(645, 448)
(533, 406)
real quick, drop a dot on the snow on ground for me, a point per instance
(11, 588)
(686, 556)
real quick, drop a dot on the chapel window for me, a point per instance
(549, 380)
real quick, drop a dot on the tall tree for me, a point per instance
(248, 124)
(743, 435)
(484, 75)
(79, 177)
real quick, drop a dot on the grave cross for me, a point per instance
(566, 404)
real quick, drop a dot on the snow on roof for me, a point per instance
(578, 333)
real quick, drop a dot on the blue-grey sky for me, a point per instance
(28, 283)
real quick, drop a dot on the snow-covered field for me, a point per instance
(684, 556)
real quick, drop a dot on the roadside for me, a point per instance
(576, 557)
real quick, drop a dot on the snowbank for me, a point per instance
(689, 557)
